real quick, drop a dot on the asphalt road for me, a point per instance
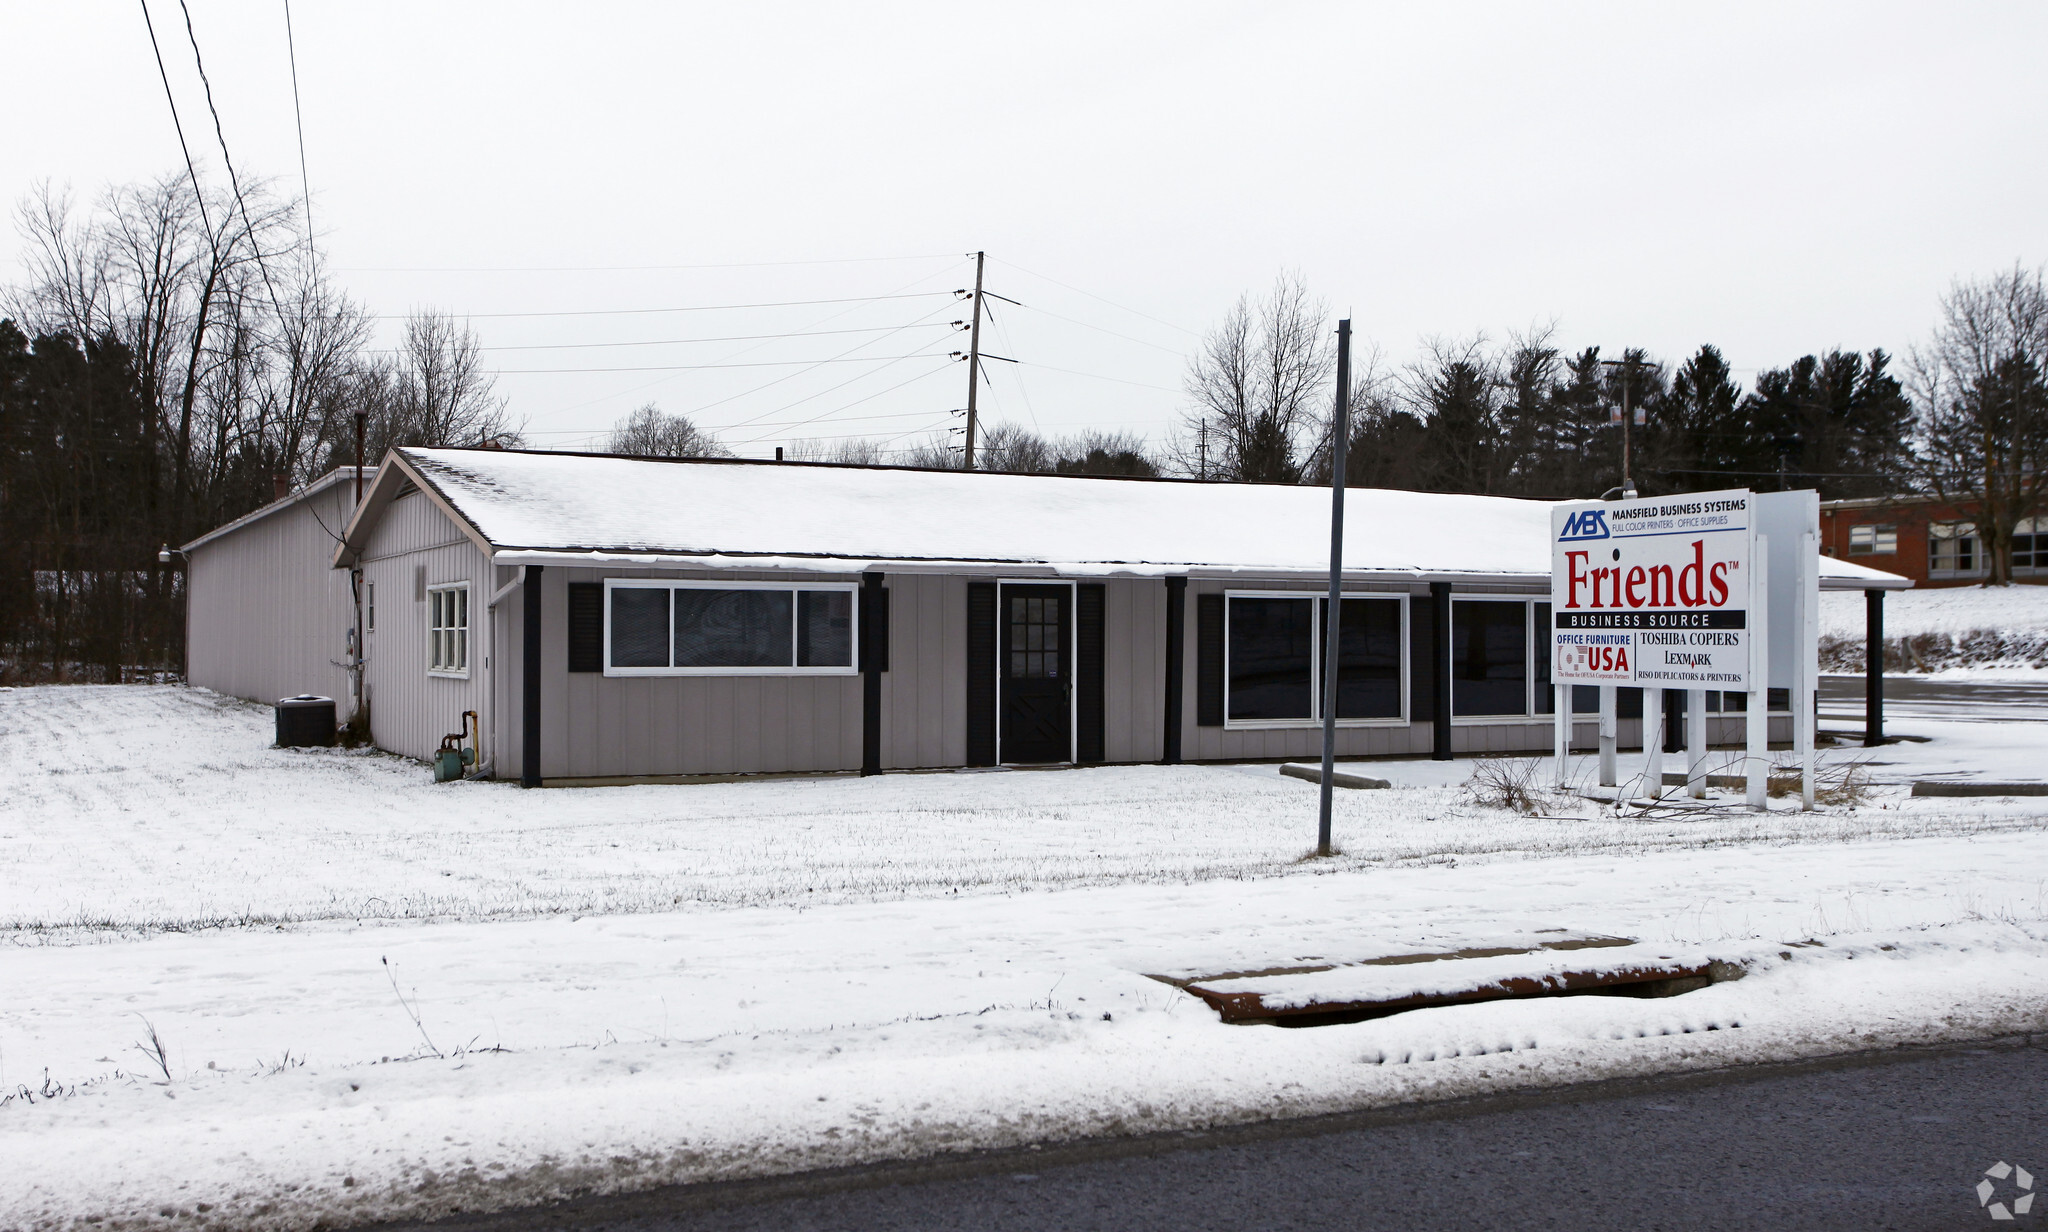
(1897, 1141)
(1906, 697)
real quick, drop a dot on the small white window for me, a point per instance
(1873, 540)
(370, 606)
(448, 629)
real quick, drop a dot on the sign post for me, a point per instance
(1658, 594)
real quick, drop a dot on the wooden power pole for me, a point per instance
(973, 362)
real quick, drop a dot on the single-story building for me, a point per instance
(613, 618)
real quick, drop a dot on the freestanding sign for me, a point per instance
(1653, 592)
(1712, 591)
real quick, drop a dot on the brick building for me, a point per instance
(1919, 537)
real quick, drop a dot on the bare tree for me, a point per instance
(444, 394)
(1983, 430)
(649, 432)
(1258, 383)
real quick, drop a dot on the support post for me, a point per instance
(1696, 743)
(1440, 619)
(1176, 666)
(1653, 746)
(529, 676)
(1805, 674)
(1756, 766)
(1561, 733)
(870, 675)
(1610, 737)
(1873, 668)
(1340, 430)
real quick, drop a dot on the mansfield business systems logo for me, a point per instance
(1585, 524)
(1994, 1182)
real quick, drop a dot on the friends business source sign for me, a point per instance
(1653, 592)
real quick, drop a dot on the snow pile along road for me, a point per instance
(1964, 630)
(507, 1050)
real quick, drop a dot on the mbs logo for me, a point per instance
(1585, 524)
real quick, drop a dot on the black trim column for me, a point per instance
(1873, 668)
(872, 612)
(1440, 670)
(529, 678)
(1176, 665)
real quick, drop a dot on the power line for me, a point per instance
(299, 121)
(619, 312)
(1096, 376)
(1092, 295)
(197, 194)
(1100, 329)
(579, 346)
(591, 269)
(834, 411)
(767, 363)
(800, 401)
(787, 376)
(234, 181)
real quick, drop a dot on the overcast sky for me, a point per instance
(1771, 178)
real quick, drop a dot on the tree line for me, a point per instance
(173, 356)
(1965, 421)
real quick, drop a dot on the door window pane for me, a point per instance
(1270, 644)
(733, 628)
(1489, 658)
(824, 628)
(1034, 637)
(639, 627)
(1368, 659)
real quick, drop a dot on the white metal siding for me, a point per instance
(268, 617)
(410, 710)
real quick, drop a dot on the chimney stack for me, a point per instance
(280, 487)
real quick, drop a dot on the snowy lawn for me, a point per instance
(742, 979)
(133, 809)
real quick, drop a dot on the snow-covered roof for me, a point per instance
(537, 508)
(339, 474)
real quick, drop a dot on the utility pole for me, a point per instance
(359, 460)
(1340, 438)
(1627, 363)
(1202, 448)
(973, 361)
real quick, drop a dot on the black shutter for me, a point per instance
(874, 627)
(1208, 660)
(586, 626)
(981, 673)
(1089, 598)
(1421, 661)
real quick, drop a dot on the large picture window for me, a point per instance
(1273, 648)
(448, 630)
(656, 628)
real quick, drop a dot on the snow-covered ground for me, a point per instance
(1948, 609)
(740, 979)
(1958, 632)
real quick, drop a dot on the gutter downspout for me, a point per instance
(529, 680)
